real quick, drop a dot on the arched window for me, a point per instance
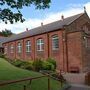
(40, 44)
(12, 48)
(19, 47)
(28, 46)
(55, 42)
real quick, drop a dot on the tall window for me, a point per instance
(85, 28)
(12, 48)
(28, 46)
(19, 47)
(87, 42)
(5, 50)
(55, 42)
(40, 45)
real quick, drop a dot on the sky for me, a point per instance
(34, 17)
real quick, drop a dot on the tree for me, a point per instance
(7, 6)
(6, 33)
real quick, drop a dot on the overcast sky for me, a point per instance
(57, 8)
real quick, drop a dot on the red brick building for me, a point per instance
(66, 40)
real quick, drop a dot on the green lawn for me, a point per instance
(9, 72)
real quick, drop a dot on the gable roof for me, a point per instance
(45, 28)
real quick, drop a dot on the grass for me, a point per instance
(10, 72)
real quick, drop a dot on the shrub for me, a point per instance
(2, 55)
(47, 66)
(52, 61)
(9, 60)
(37, 64)
(23, 64)
(17, 63)
(27, 65)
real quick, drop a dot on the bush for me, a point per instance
(27, 65)
(37, 64)
(23, 64)
(2, 55)
(17, 63)
(47, 66)
(9, 60)
(52, 61)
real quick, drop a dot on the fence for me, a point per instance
(26, 79)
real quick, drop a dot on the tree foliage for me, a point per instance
(7, 7)
(6, 33)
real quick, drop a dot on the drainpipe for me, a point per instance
(66, 51)
(15, 49)
(23, 48)
(34, 46)
(48, 44)
(66, 46)
(63, 41)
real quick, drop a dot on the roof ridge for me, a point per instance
(51, 22)
(61, 20)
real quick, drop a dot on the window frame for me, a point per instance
(11, 48)
(40, 44)
(19, 46)
(28, 46)
(55, 37)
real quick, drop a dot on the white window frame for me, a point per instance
(54, 47)
(12, 48)
(28, 46)
(40, 42)
(19, 47)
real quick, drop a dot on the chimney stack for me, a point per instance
(41, 23)
(26, 29)
(62, 17)
(84, 9)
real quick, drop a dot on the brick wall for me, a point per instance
(41, 54)
(48, 52)
(77, 26)
(20, 55)
(74, 46)
(12, 55)
(58, 54)
(30, 55)
(71, 54)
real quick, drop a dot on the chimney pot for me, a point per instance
(26, 29)
(41, 23)
(84, 9)
(62, 17)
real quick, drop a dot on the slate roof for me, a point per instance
(2, 39)
(45, 28)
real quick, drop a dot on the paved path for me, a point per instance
(75, 78)
(79, 87)
(77, 81)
